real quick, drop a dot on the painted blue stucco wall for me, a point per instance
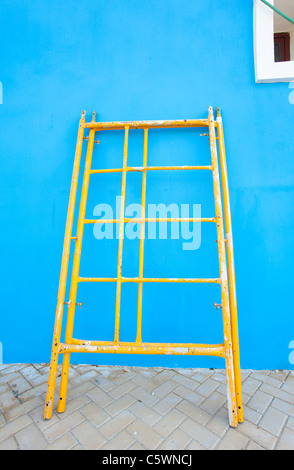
(131, 60)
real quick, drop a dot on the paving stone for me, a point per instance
(65, 442)
(261, 437)
(275, 392)
(145, 435)
(144, 382)
(167, 403)
(213, 403)
(164, 388)
(74, 405)
(188, 394)
(145, 396)
(279, 375)
(112, 427)
(194, 412)
(254, 446)
(201, 375)
(30, 438)
(283, 406)
(23, 408)
(122, 403)
(6, 378)
(137, 446)
(14, 426)
(37, 416)
(169, 422)
(290, 423)
(121, 441)
(199, 433)
(286, 441)
(250, 386)
(273, 421)
(100, 397)
(9, 444)
(207, 387)
(163, 375)
(233, 440)
(121, 389)
(194, 445)
(219, 423)
(79, 379)
(264, 378)
(12, 368)
(260, 401)
(7, 398)
(19, 385)
(178, 440)
(288, 385)
(88, 436)
(62, 426)
(145, 413)
(93, 413)
(2, 419)
(76, 391)
(186, 381)
(30, 373)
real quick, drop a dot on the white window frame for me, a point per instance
(266, 69)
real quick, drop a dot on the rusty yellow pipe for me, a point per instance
(142, 239)
(186, 349)
(63, 273)
(149, 219)
(152, 168)
(232, 404)
(178, 123)
(75, 272)
(231, 265)
(150, 280)
(121, 237)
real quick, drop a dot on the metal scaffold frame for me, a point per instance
(229, 350)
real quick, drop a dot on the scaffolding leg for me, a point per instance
(231, 265)
(75, 272)
(232, 403)
(63, 274)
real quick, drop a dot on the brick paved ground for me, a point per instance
(140, 408)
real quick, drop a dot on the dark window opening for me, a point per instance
(282, 47)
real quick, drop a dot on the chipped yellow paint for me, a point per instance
(232, 404)
(231, 265)
(99, 126)
(63, 273)
(75, 273)
(150, 219)
(217, 350)
(139, 347)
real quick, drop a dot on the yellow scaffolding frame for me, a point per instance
(229, 350)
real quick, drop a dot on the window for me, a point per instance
(273, 42)
(282, 47)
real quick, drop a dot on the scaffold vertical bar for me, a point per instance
(75, 272)
(121, 237)
(231, 263)
(142, 239)
(232, 405)
(63, 273)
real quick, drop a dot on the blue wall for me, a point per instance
(142, 60)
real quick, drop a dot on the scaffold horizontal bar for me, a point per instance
(152, 168)
(185, 349)
(150, 280)
(139, 220)
(146, 124)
